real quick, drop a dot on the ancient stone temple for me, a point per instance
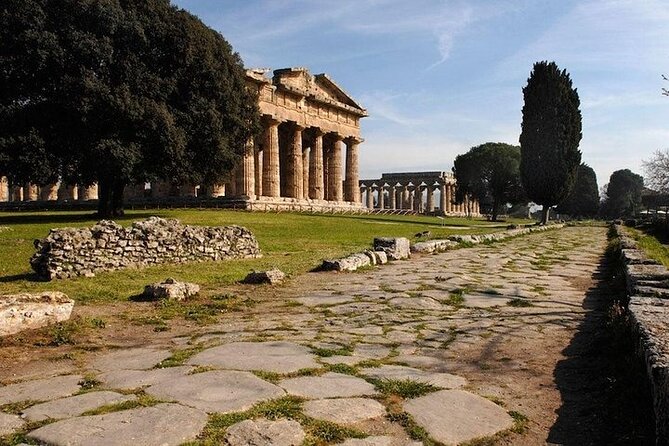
(305, 159)
(422, 192)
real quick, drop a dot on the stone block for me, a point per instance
(265, 433)
(273, 276)
(396, 248)
(381, 257)
(350, 263)
(171, 289)
(28, 311)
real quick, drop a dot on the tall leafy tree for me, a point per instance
(583, 200)
(551, 133)
(490, 173)
(623, 194)
(118, 92)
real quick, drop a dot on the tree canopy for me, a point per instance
(583, 200)
(551, 133)
(490, 173)
(623, 194)
(657, 171)
(118, 92)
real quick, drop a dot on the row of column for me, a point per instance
(411, 197)
(51, 192)
(323, 166)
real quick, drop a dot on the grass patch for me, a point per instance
(345, 350)
(344, 369)
(405, 388)
(18, 407)
(179, 357)
(143, 400)
(292, 242)
(518, 302)
(519, 422)
(411, 427)
(89, 382)
(456, 298)
(650, 245)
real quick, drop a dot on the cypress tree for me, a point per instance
(551, 132)
(583, 200)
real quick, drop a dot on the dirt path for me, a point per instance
(524, 322)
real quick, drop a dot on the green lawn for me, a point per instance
(293, 242)
(651, 246)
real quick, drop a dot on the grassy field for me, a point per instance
(293, 242)
(651, 246)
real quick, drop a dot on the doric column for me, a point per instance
(306, 155)
(370, 197)
(258, 172)
(392, 196)
(270, 178)
(294, 168)
(442, 198)
(382, 197)
(30, 192)
(17, 193)
(417, 198)
(406, 197)
(90, 192)
(335, 184)
(430, 198)
(47, 193)
(4, 189)
(352, 172)
(246, 171)
(316, 175)
(449, 198)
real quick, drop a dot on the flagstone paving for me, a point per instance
(484, 326)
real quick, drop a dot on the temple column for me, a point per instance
(30, 192)
(352, 172)
(430, 198)
(370, 197)
(258, 172)
(246, 172)
(449, 198)
(335, 184)
(382, 198)
(294, 172)
(406, 198)
(442, 198)
(316, 174)
(89, 192)
(17, 193)
(417, 199)
(47, 193)
(306, 160)
(392, 196)
(4, 189)
(270, 178)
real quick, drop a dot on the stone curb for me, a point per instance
(398, 248)
(648, 287)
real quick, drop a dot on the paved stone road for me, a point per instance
(485, 326)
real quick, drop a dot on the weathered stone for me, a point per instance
(444, 380)
(636, 256)
(33, 310)
(134, 358)
(74, 405)
(108, 246)
(9, 423)
(217, 391)
(40, 390)
(350, 263)
(396, 248)
(456, 416)
(381, 257)
(280, 357)
(330, 385)
(161, 425)
(374, 441)
(265, 433)
(132, 379)
(433, 246)
(171, 289)
(344, 410)
(646, 272)
(273, 276)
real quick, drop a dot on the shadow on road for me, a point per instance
(605, 399)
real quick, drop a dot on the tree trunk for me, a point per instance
(544, 214)
(117, 200)
(495, 211)
(104, 199)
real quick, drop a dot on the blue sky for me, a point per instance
(438, 77)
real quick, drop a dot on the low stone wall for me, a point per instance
(107, 246)
(455, 240)
(648, 288)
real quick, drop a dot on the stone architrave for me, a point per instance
(352, 187)
(316, 174)
(270, 180)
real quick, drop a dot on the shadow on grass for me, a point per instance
(65, 217)
(601, 380)
(29, 277)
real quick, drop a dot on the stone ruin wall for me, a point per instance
(107, 246)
